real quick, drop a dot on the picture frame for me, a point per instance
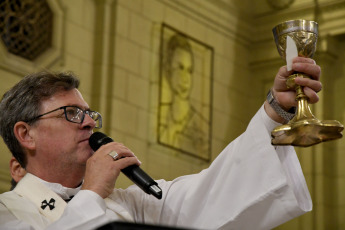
(185, 94)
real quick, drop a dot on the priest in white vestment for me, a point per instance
(250, 185)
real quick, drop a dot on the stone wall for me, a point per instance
(114, 47)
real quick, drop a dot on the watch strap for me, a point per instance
(287, 115)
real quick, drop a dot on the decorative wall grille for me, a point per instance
(26, 27)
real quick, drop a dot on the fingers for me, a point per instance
(310, 86)
(303, 60)
(122, 152)
(307, 66)
(311, 94)
(102, 170)
(313, 84)
(127, 161)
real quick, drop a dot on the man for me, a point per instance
(46, 124)
(181, 125)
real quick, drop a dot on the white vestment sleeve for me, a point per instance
(250, 185)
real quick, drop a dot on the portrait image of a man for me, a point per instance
(185, 97)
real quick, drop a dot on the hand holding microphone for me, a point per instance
(133, 172)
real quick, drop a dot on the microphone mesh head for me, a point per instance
(98, 139)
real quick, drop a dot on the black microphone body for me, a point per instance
(133, 172)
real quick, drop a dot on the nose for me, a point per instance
(186, 77)
(88, 122)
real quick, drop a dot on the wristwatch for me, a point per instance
(287, 115)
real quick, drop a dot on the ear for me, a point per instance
(22, 132)
(17, 172)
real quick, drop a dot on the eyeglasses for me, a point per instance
(76, 115)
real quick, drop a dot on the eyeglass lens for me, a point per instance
(75, 114)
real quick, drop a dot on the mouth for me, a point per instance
(86, 137)
(85, 140)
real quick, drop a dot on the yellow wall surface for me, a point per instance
(113, 46)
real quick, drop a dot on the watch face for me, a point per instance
(280, 4)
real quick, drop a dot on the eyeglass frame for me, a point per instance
(64, 109)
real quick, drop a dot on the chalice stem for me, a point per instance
(303, 111)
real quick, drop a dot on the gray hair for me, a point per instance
(22, 103)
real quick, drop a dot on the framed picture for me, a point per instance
(185, 93)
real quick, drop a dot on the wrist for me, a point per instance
(276, 111)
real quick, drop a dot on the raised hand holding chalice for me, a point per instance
(298, 38)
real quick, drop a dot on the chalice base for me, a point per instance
(306, 132)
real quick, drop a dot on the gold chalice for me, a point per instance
(304, 129)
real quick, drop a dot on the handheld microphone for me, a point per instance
(133, 172)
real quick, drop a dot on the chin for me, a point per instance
(83, 160)
(89, 153)
(85, 153)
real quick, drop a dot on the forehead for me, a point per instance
(63, 98)
(182, 55)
